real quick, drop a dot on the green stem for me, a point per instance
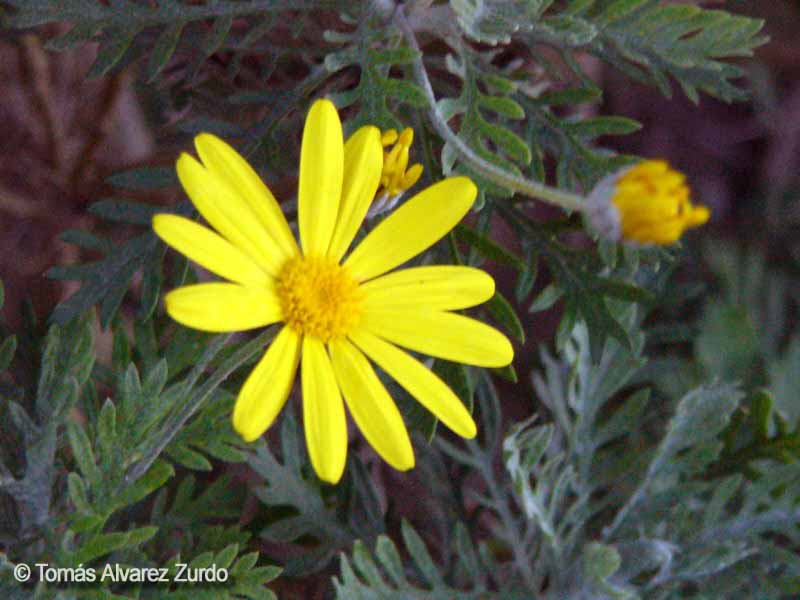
(566, 200)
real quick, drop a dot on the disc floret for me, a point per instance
(318, 297)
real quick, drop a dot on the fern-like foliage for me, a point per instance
(492, 140)
(130, 431)
(646, 39)
(570, 140)
(495, 21)
(91, 481)
(589, 504)
(374, 49)
(34, 421)
(589, 287)
(209, 434)
(366, 579)
(757, 431)
(303, 512)
(166, 25)
(107, 281)
(189, 527)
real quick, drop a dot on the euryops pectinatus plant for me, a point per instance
(384, 314)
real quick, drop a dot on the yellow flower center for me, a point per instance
(397, 177)
(654, 205)
(318, 297)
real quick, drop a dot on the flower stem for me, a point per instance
(521, 185)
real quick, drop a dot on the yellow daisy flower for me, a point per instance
(648, 203)
(338, 314)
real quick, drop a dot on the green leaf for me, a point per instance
(727, 344)
(488, 248)
(502, 311)
(78, 35)
(570, 96)
(111, 51)
(600, 561)
(621, 289)
(700, 416)
(386, 552)
(495, 21)
(371, 48)
(365, 578)
(600, 126)
(164, 48)
(86, 240)
(82, 451)
(572, 30)
(77, 493)
(104, 543)
(457, 376)
(189, 458)
(99, 545)
(508, 373)
(651, 41)
(124, 211)
(144, 178)
(617, 9)
(107, 427)
(146, 485)
(784, 373)
(216, 36)
(108, 281)
(288, 484)
(623, 418)
(419, 552)
(7, 350)
(546, 298)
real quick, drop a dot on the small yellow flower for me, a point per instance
(645, 204)
(337, 314)
(397, 177)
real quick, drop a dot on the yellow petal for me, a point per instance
(265, 392)
(372, 407)
(209, 250)
(228, 165)
(430, 287)
(419, 381)
(320, 186)
(323, 412)
(698, 215)
(229, 214)
(223, 306)
(416, 225)
(664, 233)
(363, 161)
(441, 334)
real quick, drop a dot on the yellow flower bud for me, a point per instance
(397, 177)
(645, 204)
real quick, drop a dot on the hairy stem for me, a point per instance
(566, 200)
(510, 525)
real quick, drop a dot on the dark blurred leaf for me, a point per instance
(108, 280)
(500, 308)
(145, 178)
(488, 248)
(164, 48)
